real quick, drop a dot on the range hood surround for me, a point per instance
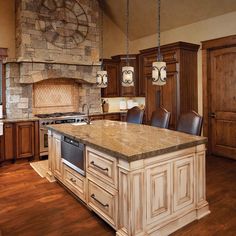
(39, 60)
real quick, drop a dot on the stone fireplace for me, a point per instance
(59, 73)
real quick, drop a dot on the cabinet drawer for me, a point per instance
(102, 166)
(112, 117)
(97, 117)
(74, 181)
(104, 203)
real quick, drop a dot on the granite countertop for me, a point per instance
(128, 141)
(10, 120)
(108, 113)
(34, 118)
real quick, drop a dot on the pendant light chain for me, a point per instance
(101, 35)
(127, 33)
(159, 57)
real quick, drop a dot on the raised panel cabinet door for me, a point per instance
(8, 141)
(24, 139)
(57, 161)
(223, 102)
(1, 149)
(169, 98)
(158, 192)
(152, 99)
(112, 89)
(183, 183)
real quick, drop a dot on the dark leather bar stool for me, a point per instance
(160, 118)
(135, 115)
(190, 123)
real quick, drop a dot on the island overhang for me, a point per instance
(128, 141)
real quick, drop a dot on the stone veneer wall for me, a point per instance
(38, 59)
(31, 41)
(18, 96)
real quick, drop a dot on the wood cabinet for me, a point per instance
(112, 117)
(1, 149)
(183, 184)
(121, 60)
(75, 182)
(102, 185)
(114, 70)
(141, 197)
(103, 201)
(123, 117)
(9, 141)
(179, 95)
(57, 161)
(20, 140)
(24, 139)
(158, 192)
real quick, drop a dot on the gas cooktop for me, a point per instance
(59, 114)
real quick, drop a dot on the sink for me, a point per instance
(81, 123)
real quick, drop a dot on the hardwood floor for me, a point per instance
(31, 206)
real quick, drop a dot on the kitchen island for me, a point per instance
(141, 180)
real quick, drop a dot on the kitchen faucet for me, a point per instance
(88, 119)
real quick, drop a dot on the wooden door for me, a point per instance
(25, 139)
(222, 112)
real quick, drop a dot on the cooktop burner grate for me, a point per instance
(59, 114)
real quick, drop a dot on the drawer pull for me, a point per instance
(72, 180)
(99, 167)
(93, 197)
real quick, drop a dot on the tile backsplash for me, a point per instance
(114, 103)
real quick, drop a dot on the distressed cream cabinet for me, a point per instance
(152, 196)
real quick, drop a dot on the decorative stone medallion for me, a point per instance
(64, 23)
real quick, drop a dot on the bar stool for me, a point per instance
(190, 123)
(135, 115)
(160, 118)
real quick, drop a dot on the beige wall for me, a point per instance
(114, 39)
(7, 26)
(216, 27)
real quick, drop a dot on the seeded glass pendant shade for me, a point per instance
(101, 77)
(159, 66)
(127, 71)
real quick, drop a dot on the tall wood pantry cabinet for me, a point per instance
(179, 94)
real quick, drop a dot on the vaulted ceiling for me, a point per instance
(174, 13)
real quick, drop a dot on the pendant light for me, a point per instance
(159, 67)
(101, 77)
(127, 71)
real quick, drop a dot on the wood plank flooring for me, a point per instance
(31, 206)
